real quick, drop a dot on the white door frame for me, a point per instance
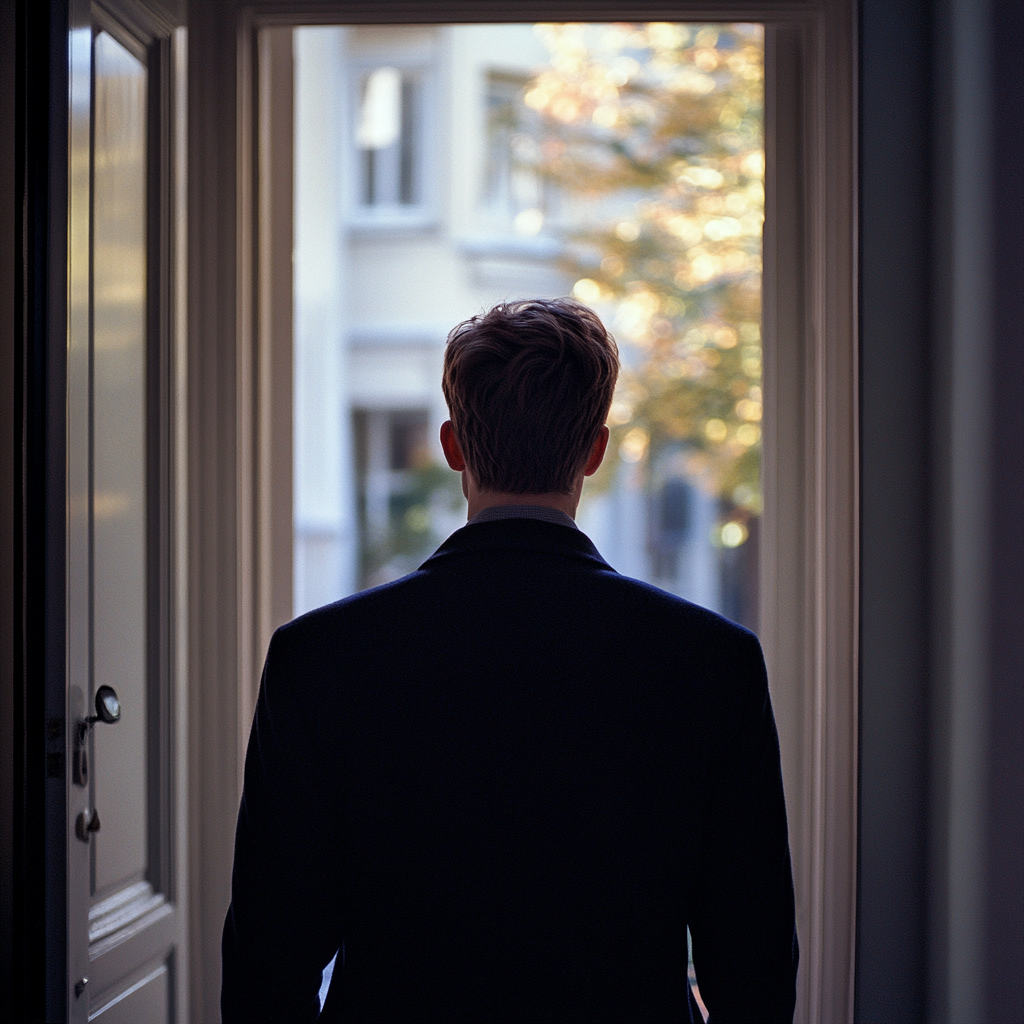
(810, 528)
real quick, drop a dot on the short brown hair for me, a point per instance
(528, 386)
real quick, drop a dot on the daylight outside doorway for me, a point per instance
(442, 169)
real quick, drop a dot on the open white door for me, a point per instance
(124, 924)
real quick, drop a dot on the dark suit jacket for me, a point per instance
(503, 786)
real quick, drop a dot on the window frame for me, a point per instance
(810, 549)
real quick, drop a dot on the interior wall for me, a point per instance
(1004, 862)
(33, 180)
(8, 434)
(895, 317)
(941, 845)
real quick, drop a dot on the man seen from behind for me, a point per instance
(503, 787)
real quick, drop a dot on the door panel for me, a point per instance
(119, 458)
(146, 1000)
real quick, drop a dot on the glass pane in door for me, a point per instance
(119, 775)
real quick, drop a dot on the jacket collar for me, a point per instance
(519, 534)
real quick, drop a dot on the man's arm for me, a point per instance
(282, 926)
(742, 922)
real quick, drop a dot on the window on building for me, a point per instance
(387, 138)
(515, 192)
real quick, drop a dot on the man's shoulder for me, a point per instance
(362, 606)
(658, 608)
(384, 616)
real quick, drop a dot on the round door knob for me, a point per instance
(108, 707)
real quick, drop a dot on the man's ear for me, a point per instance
(452, 451)
(597, 452)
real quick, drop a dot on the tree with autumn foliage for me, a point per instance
(653, 134)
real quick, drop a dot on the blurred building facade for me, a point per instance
(417, 207)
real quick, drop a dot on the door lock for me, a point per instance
(108, 710)
(86, 824)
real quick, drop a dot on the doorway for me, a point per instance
(805, 537)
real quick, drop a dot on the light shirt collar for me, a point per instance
(546, 515)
